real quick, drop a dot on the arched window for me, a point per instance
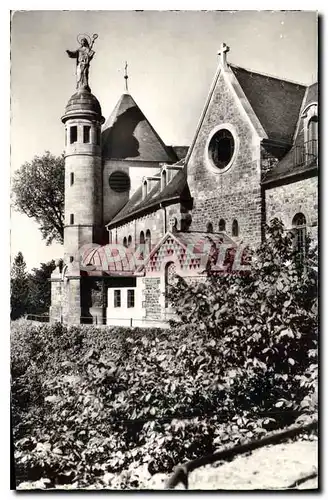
(142, 244)
(209, 227)
(144, 190)
(163, 179)
(312, 144)
(170, 271)
(125, 242)
(299, 225)
(222, 225)
(148, 241)
(129, 241)
(235, 228)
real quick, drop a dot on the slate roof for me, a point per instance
(286, 168)
(180, 151)
(128, 135)
(175, 189)
(276, 102)
(312, 94)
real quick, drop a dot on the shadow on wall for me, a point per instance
(118, 140)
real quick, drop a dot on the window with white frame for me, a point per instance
(117, 298)
(130, 299)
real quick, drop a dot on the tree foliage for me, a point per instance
(40, 288)
(18, 287)
(109, 407)
(38, 189)
(30, 292)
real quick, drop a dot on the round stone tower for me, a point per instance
(83, 173)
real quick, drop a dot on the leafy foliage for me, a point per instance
(39, 288)
(30, 292)
(18, 287)
(38, 188)
(112, 406)
(266, 321)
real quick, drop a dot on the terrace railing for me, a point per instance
(306, 153)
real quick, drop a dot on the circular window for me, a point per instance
(221, 148)
(119, 182)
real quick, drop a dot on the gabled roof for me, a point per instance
(175, 189)
(196, 243)
(128, 135)
(276, 102)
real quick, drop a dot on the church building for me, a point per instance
(138, 211)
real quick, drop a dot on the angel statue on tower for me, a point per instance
(83, 56)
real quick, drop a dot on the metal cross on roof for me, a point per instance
(224, 49)
(126, 76)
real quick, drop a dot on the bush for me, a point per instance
(102, 405)
(266, 324)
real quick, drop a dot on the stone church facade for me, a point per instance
(138, 211)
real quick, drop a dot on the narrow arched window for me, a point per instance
(142, 244)
(235, 228)
(71, 178)
(222, 225)
(144, 190)
(125, 242)
(209, 227)
(312, 144)
(163, 179)
(299, 226)
(130, 241)
(148, 241)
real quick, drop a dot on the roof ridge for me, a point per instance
(268, 75)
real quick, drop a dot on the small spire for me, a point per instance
(224, 49)
(126, 77)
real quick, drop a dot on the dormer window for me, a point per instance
(310, 127)
(144, 189)
(163, 179)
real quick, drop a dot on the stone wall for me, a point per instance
(284, 202)
(229, 194)
(55, 311)
(158, 223)
(152, 295)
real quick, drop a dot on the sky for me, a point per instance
(172, 58)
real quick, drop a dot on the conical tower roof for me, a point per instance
(128, 135)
